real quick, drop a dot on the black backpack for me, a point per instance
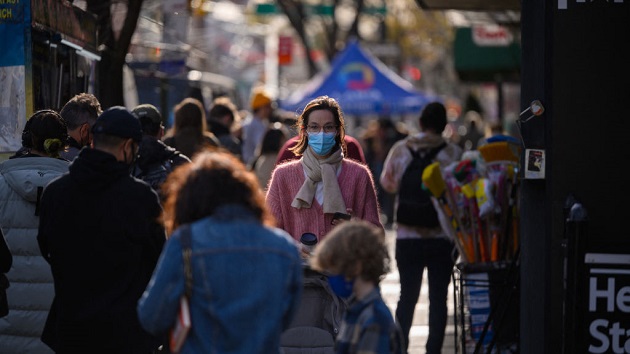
(414, 202)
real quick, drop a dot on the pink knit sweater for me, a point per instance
(357, 188)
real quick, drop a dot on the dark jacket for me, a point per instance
(227, 140)
(99, 231)
(155, 161)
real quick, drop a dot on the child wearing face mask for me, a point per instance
(322, 188)
(356, 258)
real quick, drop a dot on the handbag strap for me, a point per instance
(186, 254)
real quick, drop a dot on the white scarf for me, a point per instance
(325, 171)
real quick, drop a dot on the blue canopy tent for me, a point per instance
(362, 85)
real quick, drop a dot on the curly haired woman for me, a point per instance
(246, 274)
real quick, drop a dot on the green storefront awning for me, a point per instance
(486, 53)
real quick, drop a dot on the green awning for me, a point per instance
(486, 54)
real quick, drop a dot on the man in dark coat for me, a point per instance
(155, 159)
(99, 231)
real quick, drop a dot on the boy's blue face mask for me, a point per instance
(340, 286)
(321, 142)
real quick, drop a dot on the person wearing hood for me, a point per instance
(418, 248)
(100, 233)
(155, 159)
(22, 180)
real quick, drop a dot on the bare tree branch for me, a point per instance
(113, 50)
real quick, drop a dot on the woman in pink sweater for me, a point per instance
(305, 194)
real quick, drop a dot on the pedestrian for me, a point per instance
(473, 129)
(155, 159)
(356, 258)
(265, 160)
(419, 247)
(190, 134)
(22, 180)
(256, 123)
(100, 233)
(246, 274)
(80, 113)
(378, 139)
(222, 118)
(309, 194)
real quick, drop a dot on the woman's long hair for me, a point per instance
(190, 126)
(214, 178)
(325, 103)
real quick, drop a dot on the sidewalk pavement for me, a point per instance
(390, 289)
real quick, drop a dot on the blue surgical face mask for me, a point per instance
(321, 142)
(340, 286)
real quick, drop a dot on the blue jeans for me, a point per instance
(412, 257)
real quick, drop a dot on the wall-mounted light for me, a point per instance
(535, 107)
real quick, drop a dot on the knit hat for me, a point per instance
(147, 112)
(260, 98)
(118, 121)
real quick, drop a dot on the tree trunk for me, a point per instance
(295, 13)
(113, 50)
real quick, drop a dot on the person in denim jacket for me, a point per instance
(247, 274)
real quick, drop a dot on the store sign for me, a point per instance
(285, 50)
(482, 53)
(491, 35)
(11, 12)
(607, 316)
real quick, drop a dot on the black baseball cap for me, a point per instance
(147, 111)
(118, 121)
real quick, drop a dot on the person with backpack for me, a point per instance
(155, 159)
(356, 257)
(420, 240)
